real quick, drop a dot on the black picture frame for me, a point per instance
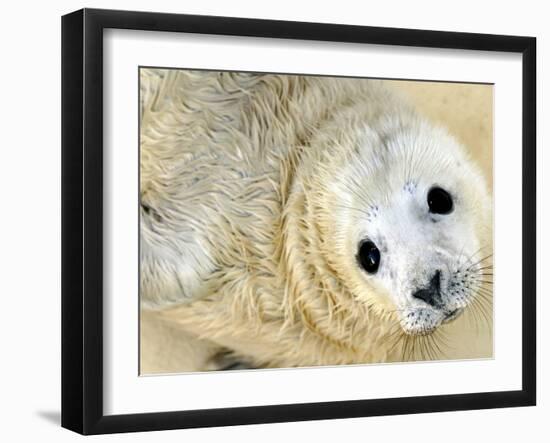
(82, 220)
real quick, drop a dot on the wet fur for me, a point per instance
(250, 195)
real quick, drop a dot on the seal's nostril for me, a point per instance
(426, 295)
(435, 282)
(431, 293)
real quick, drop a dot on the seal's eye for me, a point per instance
(369, 257)
(440, 201)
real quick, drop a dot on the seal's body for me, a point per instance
(300, 221)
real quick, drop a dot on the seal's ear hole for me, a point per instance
(368, 257)
(440, 201)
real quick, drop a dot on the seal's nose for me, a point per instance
(431, 294)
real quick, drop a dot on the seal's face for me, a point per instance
(412, 219)
(420, 252)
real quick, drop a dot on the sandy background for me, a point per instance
(466, 110)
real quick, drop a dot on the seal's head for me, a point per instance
(405, 220)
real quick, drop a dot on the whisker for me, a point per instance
(469, 258)
(483, 311)
(362, 211)
(479, 261)
(483, 281)
(485, 292)
(397, 339)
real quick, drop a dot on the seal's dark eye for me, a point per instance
(369, 257)
(440, 201)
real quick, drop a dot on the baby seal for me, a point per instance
(300, 221)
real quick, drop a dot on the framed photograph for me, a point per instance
(269, 221)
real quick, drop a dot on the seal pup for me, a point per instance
(301, 221)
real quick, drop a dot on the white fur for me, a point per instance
(256, 191)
